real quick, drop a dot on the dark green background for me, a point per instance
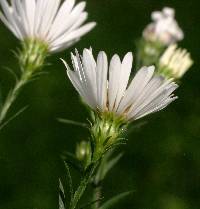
(161, 161)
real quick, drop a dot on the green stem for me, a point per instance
(96, 197)
(13, 94)
(82, 187)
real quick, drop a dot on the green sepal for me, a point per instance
(33, 55)
(106, 131)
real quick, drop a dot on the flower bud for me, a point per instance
(83, 152)
(164, 28)
(175, 62)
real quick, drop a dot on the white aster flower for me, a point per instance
(57, 24)
(164, 27)
(175, 61)
(105, 88)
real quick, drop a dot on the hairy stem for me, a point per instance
(82, 187)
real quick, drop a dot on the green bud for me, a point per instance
(83, 153)
(148, 52)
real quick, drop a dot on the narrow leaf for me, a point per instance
(61, 188)
(135, 127)
(72, 160)
(71, 122)
(61, 204)
(91, 203)
(113, 201)
(107, 163)
(12, 117)
(111, 163)
(70, 180)
(62, 198)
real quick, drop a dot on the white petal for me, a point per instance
(137, 85)
(66, 23)
(60, 47)
(29, 7)
(114, 76)
(74, 34)
(62, 17)
(146, 93)
(89, 66)
(81, 86)
(153, 94)
(47, 18)
(102, 69)
(9, 18)
(158, 108)
(158, 101)
(124, 77)
(82, 18)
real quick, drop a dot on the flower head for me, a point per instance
(175, 62)
(104, 87)
(57, 25)
(164, 27)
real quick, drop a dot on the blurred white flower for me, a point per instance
(164, 27)
(175, 61)
(57, 24)
(105, 88)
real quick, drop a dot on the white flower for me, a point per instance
(58, 25)
(164, 27)
(105, 88)
(175, 61)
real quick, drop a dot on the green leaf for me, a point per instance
(91, 203)
(113, 201)
(111, 163)
(134, 127)
(70, 180)
(61, 204)
(61, 196)
(72, 160)
(13, 117)
(72, 122)
(108, 162)
(61, 188)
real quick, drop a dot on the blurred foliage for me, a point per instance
(161, 162)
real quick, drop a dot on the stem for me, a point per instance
(96, 197)
(82, 187)
(13, 95)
